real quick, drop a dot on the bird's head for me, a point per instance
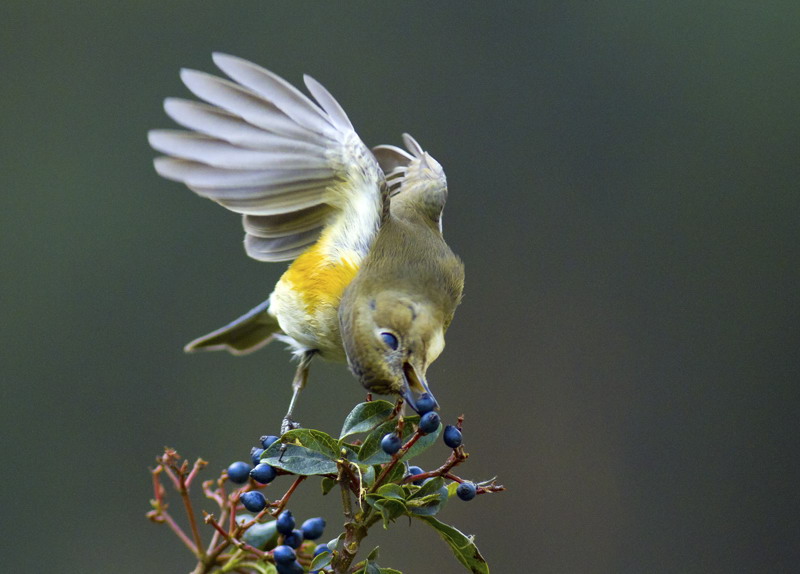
(390, 341)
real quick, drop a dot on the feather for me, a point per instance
(329, 104)
(276, 90)
(268, 226)
(215, 122)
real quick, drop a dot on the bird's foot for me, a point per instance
(288, 424)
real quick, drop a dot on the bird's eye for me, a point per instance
(390, 340)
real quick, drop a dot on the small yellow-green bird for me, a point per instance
(372, 280)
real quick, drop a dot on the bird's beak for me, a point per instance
(415, 385)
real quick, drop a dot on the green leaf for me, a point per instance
(321, 560)
(429, 498)
(368, 475)
(395, 475)
(307, 452)
(428, 505)
(371, 452)
(328, 484)
(259, 535)
(333, 544)
(462, 546)
(392, 491)
(430, 486)
(390, 509)
(260, 567)
(366, 416)
(373, 555)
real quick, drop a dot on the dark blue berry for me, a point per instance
(263, 473)
(413, 471)
(429, 422)
(255, 454)
(294, 538)
(452, 436)
(267, 440)
(290, 568)
(425, 403)
(253, 501)
(466, 491)
(313, 528)
(391, 443)
(238, 472)
(285, 522)
(320, 549)
(284, 554)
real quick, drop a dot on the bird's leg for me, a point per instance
(300, 378)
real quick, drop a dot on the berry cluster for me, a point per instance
(285, 554)
(378, 483)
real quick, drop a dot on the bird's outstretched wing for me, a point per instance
(261, 148)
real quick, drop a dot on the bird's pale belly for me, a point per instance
(306, 300)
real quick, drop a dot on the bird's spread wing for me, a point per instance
(261, 148)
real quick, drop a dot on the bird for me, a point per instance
(371, 280)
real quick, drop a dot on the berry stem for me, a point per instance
(187, 503)
(281, 504)
(180, 533)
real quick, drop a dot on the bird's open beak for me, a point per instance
(415, 386)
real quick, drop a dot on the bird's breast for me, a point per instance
(307, 296)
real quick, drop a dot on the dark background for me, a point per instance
(623, 191)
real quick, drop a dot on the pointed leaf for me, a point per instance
(392, 491)
(259, 535)
(390, 509)
(462, 546)
(365, 417)
(321, 560)
(430, 486)
(306, 452)
(328, 484)
(395, 475)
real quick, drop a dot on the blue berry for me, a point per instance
(284, 554)
(313, 528)
(413, 471)
(253, 501)
(267, 440)
(294, 538)
(452, 436)
(466, 491)
(238, 472)
(391, 443)
(255, 454)
(320, 549)
(429, 422)
(263, 473)
(290, 568)
(285, 522)
(425, 403)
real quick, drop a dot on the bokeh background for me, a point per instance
(624, 193)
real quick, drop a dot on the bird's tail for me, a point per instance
(246, 334)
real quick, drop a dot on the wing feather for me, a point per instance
(260, 147)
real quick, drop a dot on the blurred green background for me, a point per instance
(623, 191)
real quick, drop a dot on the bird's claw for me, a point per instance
(288, 424)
